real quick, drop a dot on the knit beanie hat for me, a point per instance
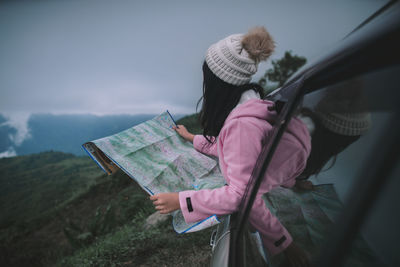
(344, 109)
(235, 59)
(350, 124)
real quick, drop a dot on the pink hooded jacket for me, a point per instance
(238, 147)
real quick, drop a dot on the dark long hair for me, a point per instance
(218, 100)
(325, 145)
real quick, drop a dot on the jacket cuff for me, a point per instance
(185, 202)
(279, 245)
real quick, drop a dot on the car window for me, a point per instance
(364, 106)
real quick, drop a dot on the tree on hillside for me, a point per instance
(281, 70)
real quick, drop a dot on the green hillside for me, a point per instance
(32, 185)
(59, 209)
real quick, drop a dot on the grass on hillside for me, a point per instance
(132, 246)
(32, 185)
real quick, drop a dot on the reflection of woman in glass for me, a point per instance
(331, 134)
(338, 120)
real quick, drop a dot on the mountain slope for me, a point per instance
(31, 185)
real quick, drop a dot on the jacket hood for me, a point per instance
(258, 108)
(264, 110)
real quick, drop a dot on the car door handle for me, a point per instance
(212, 238)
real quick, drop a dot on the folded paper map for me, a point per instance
(159, 160)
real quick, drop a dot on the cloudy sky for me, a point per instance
(112, 57)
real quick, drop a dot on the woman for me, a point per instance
(236, 123)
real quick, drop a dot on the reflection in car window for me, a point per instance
(350, 129)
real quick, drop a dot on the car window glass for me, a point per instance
(350, 108)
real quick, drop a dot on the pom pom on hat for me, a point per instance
(235, 58)
(258, 43)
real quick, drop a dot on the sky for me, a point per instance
(131, 57)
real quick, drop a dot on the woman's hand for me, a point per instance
(295, 256)
(304, 185)
(181, 130)
(166, 202)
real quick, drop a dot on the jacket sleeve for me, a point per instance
(201, 144)
(198, 205)
(274, 235)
